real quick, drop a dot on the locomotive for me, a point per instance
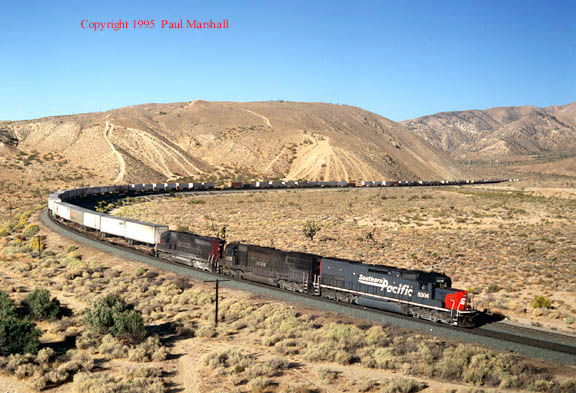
(425, 295)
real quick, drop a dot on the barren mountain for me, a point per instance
(501, 132)
(200, 139)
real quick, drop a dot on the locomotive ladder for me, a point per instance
(316, 285)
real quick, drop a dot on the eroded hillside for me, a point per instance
(501, 132)
(217, 140)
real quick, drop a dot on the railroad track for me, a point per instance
(522, 340)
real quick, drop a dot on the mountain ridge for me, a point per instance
(202, 139)
(501, 131)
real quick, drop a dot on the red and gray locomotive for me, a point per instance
(425, 295)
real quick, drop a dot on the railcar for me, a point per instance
(201, 252)
(170, 186)
(295, 271)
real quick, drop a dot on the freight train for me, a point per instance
(426, 295)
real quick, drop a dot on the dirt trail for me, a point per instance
(168, 148)
(269, 166)
(107, 130)
(260, 116)
(321, 160)
(154, 151)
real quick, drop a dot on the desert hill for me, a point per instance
(200, 139)
(501, 132)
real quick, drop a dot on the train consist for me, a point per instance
(426, 295)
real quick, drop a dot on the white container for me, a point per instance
(113, 225)
(77, 214)
(144, 231)
(92, 220)
(63, 210)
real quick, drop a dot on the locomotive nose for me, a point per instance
(456, 301)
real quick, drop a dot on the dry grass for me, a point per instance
(259, 345)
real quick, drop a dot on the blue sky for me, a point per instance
(400, 59)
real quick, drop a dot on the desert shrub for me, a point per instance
(84, 360)
(400, 385)
(38, 382)
(259, 384)
(478, 370)
(7, 228)
(365, 385)
(541, 302)
(26, 370)
(7, 306)
(328, 376)
(30, 230)
(291, 388)
(384, 358)
(310, 229)
(198, 297)
(207, 332)
(57, 376)
(129, 326)
(22, 220)
(258, 370)
(149, 350)
(320, 352)
(72, 259)
(140, 271)
(44, 355)
(12, 362)
(88, 339)
(453, 362)
(376, 335)
(112, 348)
(39, 305)
(228, 358)
(35, 244)
(18, 336)
(111, 314)
(135, 381)
(542, 385)
(277, 363)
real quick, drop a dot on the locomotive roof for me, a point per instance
(189, 234)
(398, 271)
(271, 249)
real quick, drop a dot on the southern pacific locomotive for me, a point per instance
(426, 295)
(413, 292)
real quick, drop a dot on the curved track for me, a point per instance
(529, 342)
